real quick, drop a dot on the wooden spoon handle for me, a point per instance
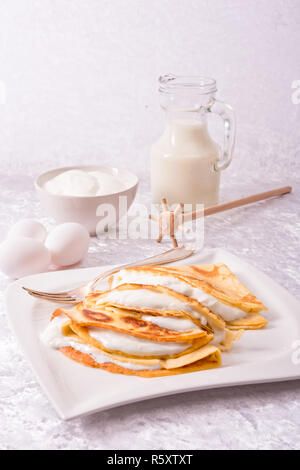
(225, 206)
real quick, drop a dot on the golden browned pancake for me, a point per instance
(124, 321)
(230, 338)
(220, 282)
(217, 281)
(208, 357)
(253, 321)
(95, 300)
(83, 334)
(92, 331)
(201, 358)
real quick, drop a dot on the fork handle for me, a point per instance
(169, 256)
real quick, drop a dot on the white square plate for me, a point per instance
(75, 390)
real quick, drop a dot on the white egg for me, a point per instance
(20, 256)
(28, 228)
(68, 243)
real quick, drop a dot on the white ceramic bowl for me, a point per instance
(83, 209)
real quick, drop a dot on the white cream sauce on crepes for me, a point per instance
(137, 346)
(148, 299)
(54, 338)
(131, 276)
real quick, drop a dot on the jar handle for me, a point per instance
(227, 114)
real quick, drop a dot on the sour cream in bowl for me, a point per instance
(78, 182)
(76, 194)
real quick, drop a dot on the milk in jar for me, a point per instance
(185, 160)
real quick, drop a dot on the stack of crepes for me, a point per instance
(156, 321)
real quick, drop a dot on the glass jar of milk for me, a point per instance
(185, 161)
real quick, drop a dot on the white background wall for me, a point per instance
(81, 78)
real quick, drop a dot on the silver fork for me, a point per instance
(73, 296)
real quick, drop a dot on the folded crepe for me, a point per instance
(214, 287)
(156, 321)
(208, 357)
(130, 323)
(165, 306)
(68, 337)
(155, 300)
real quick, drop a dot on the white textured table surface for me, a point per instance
(257, 416)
